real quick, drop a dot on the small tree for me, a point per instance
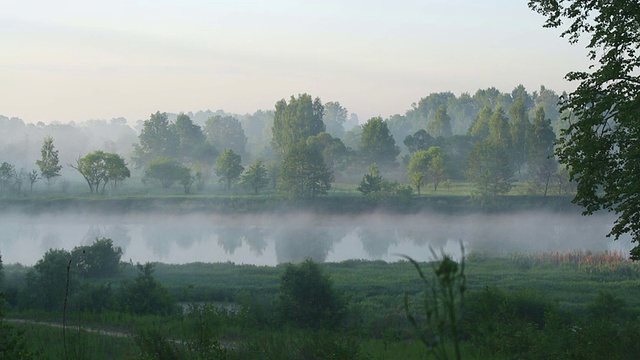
(256, 178)
(144, 295)
(371, 182)
(49, 161)
(307, 297)
(188, 180)
(7, 175)
(229, 167)
(33, 177)
(98, 168)
(117, 170)
(437, 168)
(418, 168)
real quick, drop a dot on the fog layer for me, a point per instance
(270, 240)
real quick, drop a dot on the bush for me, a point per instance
(100, 260)
(307, 297)
(47, 282)
(144, 295)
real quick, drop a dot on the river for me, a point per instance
(273, 239)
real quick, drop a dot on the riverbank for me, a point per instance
(336, 204)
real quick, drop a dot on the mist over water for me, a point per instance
(274, 239)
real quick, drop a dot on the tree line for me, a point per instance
(508, 136)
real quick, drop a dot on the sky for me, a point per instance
(79, 60)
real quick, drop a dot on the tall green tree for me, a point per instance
(601, 146)
(229, 167)
(489, 165)
(256, 177)
(296, 121)
(192, 146)
(541, 140)
(479, 130)
(377, 145)
(49, 162)
(499, 130)
(304, 172)
(519, 126)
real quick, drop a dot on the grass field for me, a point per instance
(568, 284)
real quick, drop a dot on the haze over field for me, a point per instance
(75, 60)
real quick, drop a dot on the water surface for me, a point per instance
(273, 239)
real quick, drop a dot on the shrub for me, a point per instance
(144, 295)
(307, 297)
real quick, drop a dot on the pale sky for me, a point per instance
(81, 60)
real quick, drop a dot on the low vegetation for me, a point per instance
(524, 306)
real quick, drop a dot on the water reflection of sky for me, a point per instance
(272, 239)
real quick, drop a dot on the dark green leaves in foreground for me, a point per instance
(600, 145)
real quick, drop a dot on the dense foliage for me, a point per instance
(600, 144)
(307, 297)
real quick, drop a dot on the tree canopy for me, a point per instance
(156, 139)
(166, 172)
(226, 132)
(335, 116)
(182, 140)
(377, 145)
(296, 121)
(304, 172)
(99, 167)
(600, 145)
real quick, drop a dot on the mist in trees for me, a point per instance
(182, 149)
(296, 120)
(100, 168)
(377, 145)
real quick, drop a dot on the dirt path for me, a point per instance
(71, 327)
(224, 343)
